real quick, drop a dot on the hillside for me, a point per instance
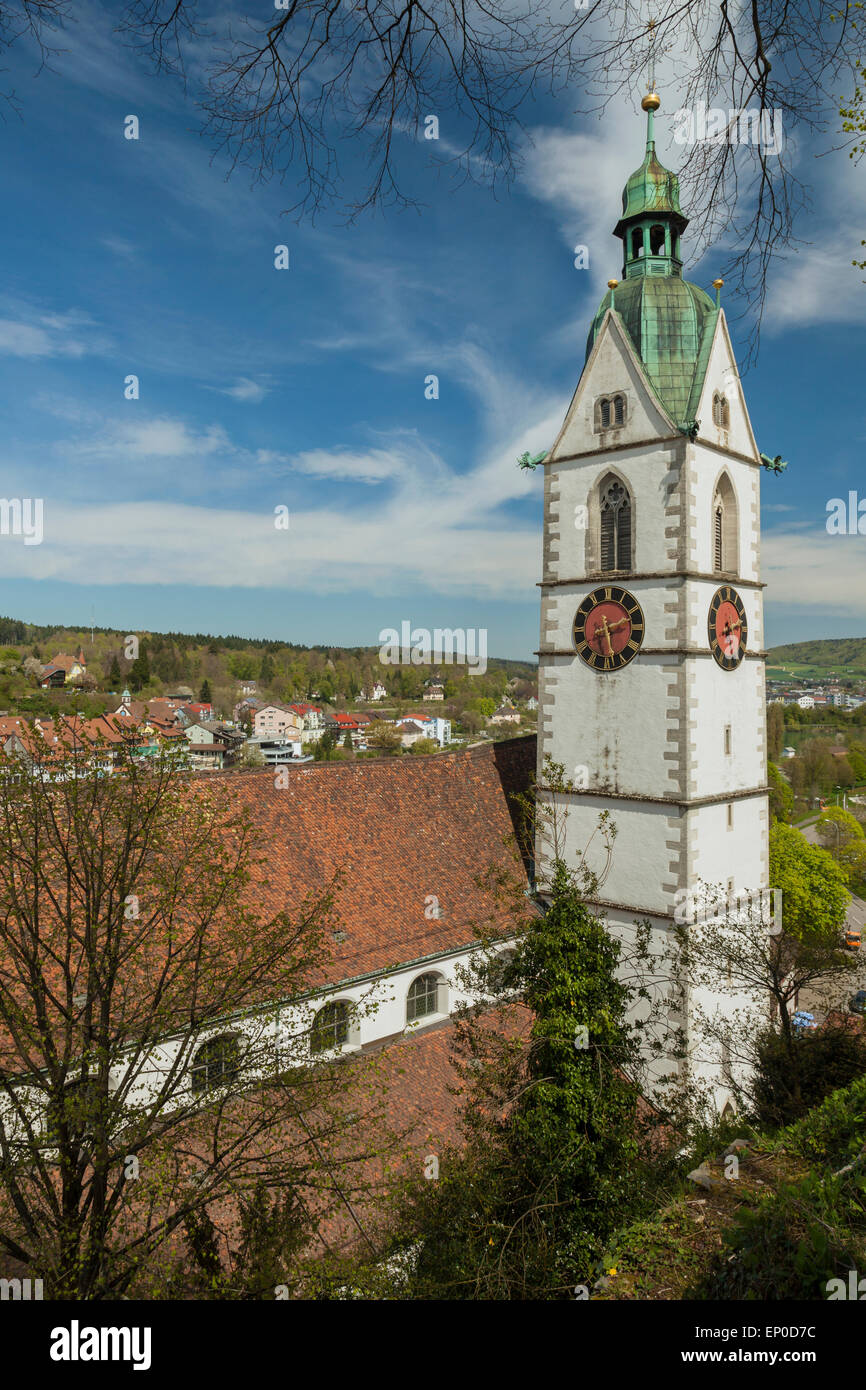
(779, 1223)
(841, 656)
(282, 671)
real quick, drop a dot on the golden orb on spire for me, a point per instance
(651, 102)
(717, 284)
(612, 284)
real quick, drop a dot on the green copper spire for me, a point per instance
(652, 219)
(669, 321)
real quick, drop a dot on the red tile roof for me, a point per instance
(401, 830)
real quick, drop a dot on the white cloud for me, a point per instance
(324, 549)
(375, 466)
(119, 247)
(245, 390)
(813, 570)
(152, 438)
(47, 335)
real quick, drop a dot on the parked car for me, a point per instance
(802, 1022)
(857, 1002)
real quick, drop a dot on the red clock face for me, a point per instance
(608, 628)
(728, 632)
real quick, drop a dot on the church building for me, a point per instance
(651, 683)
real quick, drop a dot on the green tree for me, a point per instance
(814, 892)
(383, 737)
(482, 705)
(139, 672)
(266, 670)
(424, 746)
(114, 673)
(324, 749)
(204, 694)
(857, 762)
(347, 741)
(554, 1159)
(836, 829)
(775, 731)
(781, 794)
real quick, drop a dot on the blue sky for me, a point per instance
(305, 388)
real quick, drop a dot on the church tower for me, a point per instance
(651, 668)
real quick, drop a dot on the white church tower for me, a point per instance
(651, 683)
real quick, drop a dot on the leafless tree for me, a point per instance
(293, 92)
(146, 1072)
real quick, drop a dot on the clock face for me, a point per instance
(727, 628)
(608, 628)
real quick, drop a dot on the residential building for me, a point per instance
(273, 720)
(506, 714)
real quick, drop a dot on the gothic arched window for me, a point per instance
(615, 510)
(619, 410)
(724, 527)
(721, 411)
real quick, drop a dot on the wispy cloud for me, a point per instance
(244, 390)
(31, 334)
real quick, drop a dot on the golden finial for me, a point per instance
(717, 284)
(651, 102)
(612, 284)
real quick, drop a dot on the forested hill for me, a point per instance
(841, 655)
(283, 670)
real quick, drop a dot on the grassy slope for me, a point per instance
(779, 1229)
(842, 655)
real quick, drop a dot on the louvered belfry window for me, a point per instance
(718, 517)
(721, 411)
(615, 526)
(618, 410)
